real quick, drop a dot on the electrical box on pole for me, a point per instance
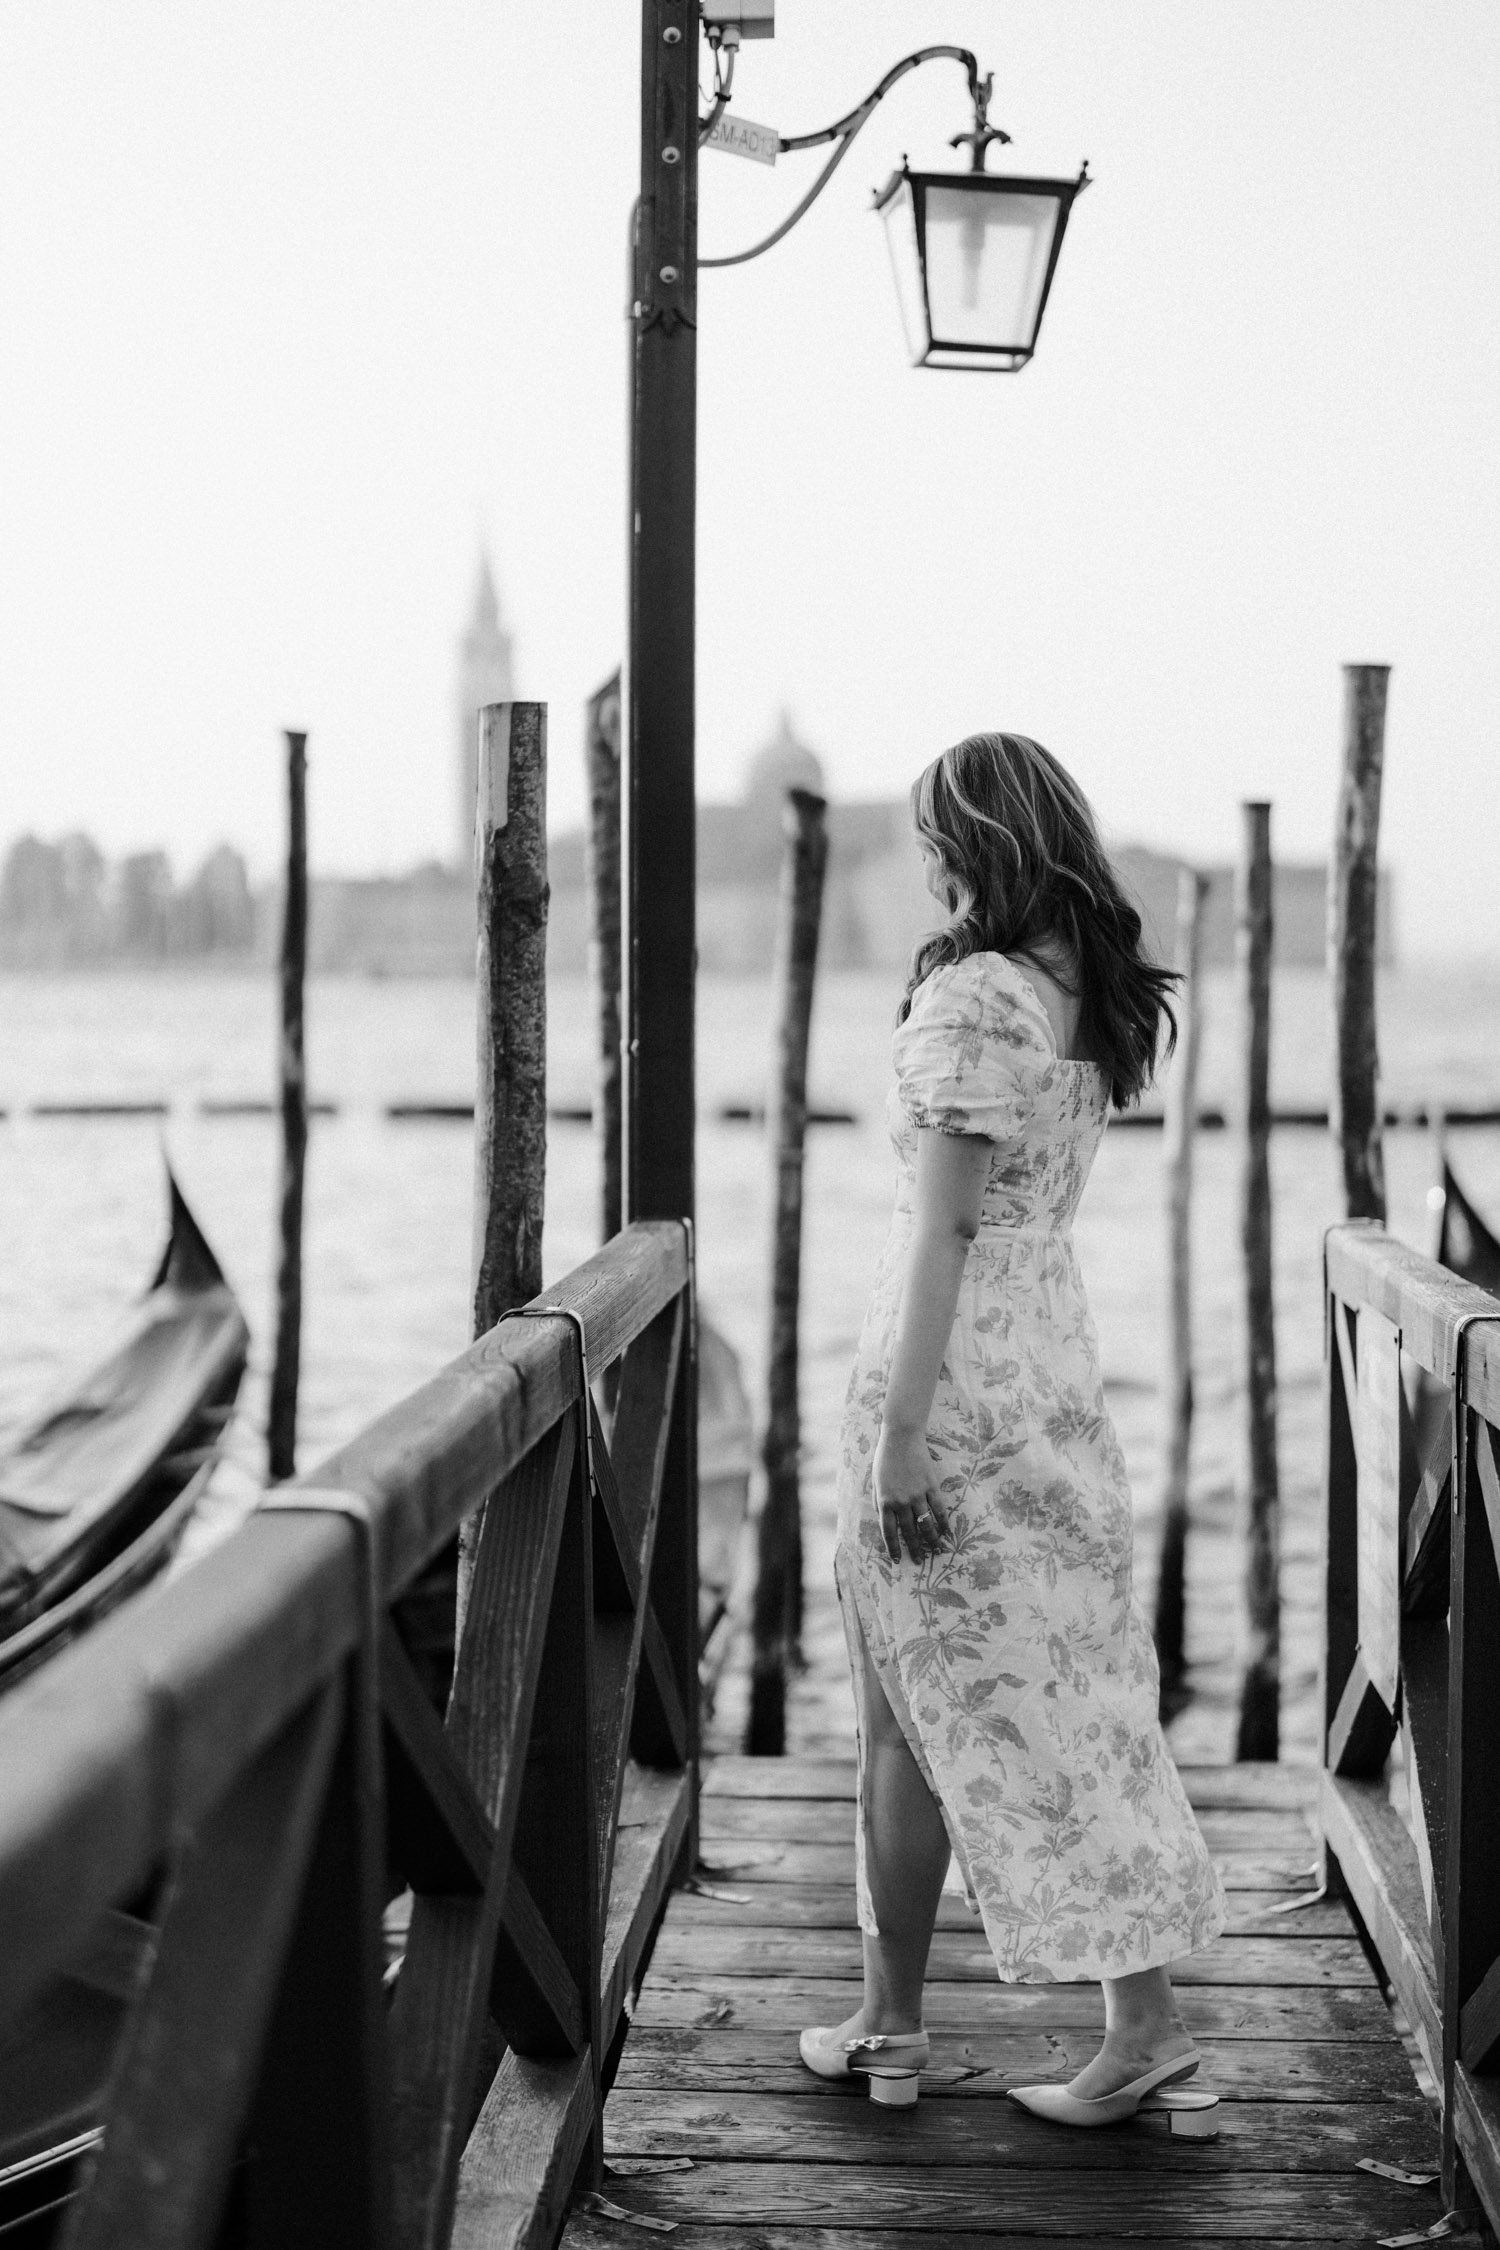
(752, 19)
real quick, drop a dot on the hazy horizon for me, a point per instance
(306, 308)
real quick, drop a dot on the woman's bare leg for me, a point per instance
(906, 1859)
(1142, 2027)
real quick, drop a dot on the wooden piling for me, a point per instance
(281, 1429)
(510, 1104)
(1181, 1120)
(1352, 902)
(602, 855)
(777, 1613)
(510, 1108)
(1259, 1732)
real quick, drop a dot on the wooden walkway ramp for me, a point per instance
(1297, 2039)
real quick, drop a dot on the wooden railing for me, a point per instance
(1413, 1648)
(217, 1794)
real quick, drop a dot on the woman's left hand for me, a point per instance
(911, 1513)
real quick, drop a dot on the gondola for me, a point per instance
(94, 1496)
(95, 1493)
(1465, 1244)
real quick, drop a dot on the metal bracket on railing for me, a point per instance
(327, 1500)
(1466, 1321)
(330, 1500)
(690, 1232)
(586, 1401)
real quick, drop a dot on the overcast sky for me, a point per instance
(301, 304)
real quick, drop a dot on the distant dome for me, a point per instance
(783, 763)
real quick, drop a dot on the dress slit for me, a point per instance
(860, 1651)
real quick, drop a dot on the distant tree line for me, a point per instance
(64, 902)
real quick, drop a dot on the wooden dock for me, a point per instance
(1297, 2040)
(208, 1803)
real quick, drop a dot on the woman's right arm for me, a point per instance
(951, 1173)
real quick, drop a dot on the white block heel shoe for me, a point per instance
(1062, 2108)
(889, 2060)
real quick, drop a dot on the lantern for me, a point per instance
(974, 254)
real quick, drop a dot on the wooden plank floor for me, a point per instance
(1296, 2039)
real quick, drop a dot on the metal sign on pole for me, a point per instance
(741, 136)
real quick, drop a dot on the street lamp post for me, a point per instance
(975, 253)
(658, 889)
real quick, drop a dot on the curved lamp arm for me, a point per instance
(844, 132)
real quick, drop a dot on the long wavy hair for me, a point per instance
(1024, 873)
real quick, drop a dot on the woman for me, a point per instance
(1005, 1682)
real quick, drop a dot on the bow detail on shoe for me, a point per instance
(826, 2051)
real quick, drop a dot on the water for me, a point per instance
(387, 1253)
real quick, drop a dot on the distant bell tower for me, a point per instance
(485, 675)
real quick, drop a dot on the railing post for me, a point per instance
(1340, 1552)
(674, 1568)
(1471, 1906)
(1341, 1499)
(320, 2170)
(557, 1844)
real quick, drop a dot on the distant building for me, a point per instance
(1299, 908)
(876, 905)
(62, 904)
(416, 925)
(143, 905)
(486, 674)
(214, 912)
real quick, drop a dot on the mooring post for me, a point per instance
(602, 856)
(776, 1625)
(1353, 899)
(1181, 1124)
(281, 1431)
(1259, 1733)
(510, 1099)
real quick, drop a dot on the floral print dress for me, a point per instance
(1017, 1662)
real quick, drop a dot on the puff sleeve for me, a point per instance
(973, 1049)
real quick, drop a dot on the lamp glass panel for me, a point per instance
(906, 264)
(987, 264)
(975, 361)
